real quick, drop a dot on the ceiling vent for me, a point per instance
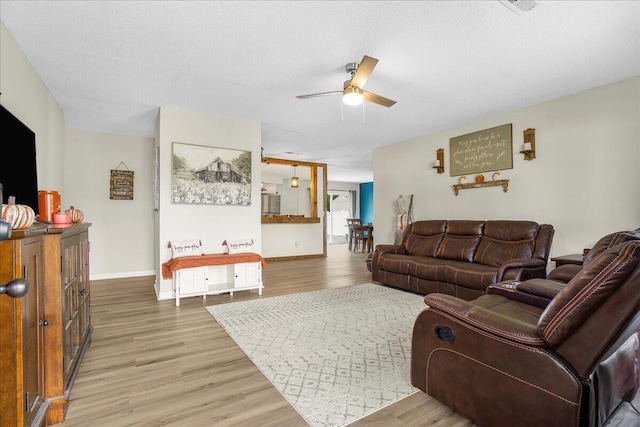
(520, 6)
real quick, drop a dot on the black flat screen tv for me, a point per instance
(18, 172)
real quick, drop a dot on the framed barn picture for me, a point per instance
(205, 175)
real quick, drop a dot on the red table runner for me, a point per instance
(208, 259)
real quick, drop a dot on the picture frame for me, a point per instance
(206, 175)
(483, 151)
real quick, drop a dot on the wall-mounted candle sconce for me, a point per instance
(529, 146)
(439, 163)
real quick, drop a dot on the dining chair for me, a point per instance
(359, 236)
(350, 228)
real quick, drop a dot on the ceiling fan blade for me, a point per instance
(313, 95)
(377, 99)
(363, 72)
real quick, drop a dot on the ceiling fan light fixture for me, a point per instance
(352, 96)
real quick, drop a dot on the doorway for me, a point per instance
(339, 208)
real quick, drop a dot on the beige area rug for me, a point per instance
(336, 355)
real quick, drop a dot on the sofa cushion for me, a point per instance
(434, 269)
(564, 273)
(505, 240)
(459, 273)
(395, 263)
(423, 237)
(460, 240)
(472, 276)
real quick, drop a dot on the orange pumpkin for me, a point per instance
(75, 215)
(19, 216)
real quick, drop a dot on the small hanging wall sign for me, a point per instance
(121, 183)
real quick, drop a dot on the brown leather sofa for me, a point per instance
(500, 361)
(462, 258)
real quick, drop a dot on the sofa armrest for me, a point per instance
(378, 252)
(492, 322)
(389, 249)
(537, 292)
(522, 269)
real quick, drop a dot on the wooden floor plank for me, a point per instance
(151, 363)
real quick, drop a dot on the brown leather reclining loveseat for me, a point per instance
(540, 292)
(461, 257)
(540, 352)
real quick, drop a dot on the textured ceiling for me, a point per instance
(112, 64)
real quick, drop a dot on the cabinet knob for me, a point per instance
(43, 323)
(83, 292)
(16, 288)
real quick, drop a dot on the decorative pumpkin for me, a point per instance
(19, 216)
(75, 215)
(480, 178)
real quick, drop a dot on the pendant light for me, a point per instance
(295, 181)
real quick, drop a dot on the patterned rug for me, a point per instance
(336, 355)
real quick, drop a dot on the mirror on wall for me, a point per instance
(283, 203)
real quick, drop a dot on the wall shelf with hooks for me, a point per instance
(500, 182)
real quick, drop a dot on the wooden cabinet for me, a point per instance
(22, 342)
(217, 279)
(44, 334)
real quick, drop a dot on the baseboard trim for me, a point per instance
(122, 275)
(291, 258)
(163, 295)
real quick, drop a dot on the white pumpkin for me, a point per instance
(75, 215)
(19, 216)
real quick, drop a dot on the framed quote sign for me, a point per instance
(483, 151)
(121, 184)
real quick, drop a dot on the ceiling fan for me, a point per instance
(352, 92)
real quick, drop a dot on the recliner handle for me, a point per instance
(444, 333)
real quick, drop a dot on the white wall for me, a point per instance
(295, 201)
(210, 223)
(77, 165)
(26, 97)
(122, 232)
(585, 180)
(284, 240)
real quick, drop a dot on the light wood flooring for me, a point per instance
(151, 363)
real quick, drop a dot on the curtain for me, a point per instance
(354, 201)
